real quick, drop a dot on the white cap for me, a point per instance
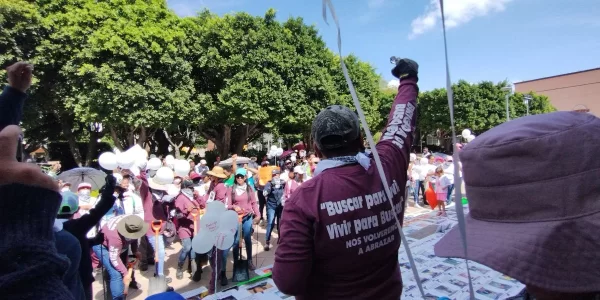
(299, 170)
(203, 162)
(118, 177)
(413, 157)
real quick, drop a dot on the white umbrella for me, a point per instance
(240, 161)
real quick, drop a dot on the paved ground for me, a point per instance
(261, 258)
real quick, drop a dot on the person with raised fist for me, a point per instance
(324, 251)
(13, 96)
(30, 266)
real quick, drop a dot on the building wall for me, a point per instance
(569, 91)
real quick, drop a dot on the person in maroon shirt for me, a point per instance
(152, 194)
(339, 238)
(217, 192)
(119, 232)
(243, 201)
(187, 203)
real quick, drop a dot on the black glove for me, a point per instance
(109, 187)
(405, 68)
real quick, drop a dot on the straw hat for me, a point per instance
(217, 172)
(157, 186)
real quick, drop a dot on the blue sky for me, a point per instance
(487, 39)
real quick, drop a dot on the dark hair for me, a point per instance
(352, 148)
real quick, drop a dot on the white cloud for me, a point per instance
(393, 84)
(457, 12)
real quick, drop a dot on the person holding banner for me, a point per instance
(339, 238)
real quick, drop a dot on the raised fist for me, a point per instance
(405, 68)
(20, 75)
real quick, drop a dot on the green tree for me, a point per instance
(256, 75)
(131, 71)
(478, 107)
(367, 85)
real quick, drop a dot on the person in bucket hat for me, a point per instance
(119, 232)
(534, 201)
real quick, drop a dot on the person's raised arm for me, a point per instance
(107, 200)
(400, 127)
(30, 266)
(234, 163)
(13, 97)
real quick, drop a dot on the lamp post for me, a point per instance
(526, 99)
(511, 90)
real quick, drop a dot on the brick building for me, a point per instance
(571, 91)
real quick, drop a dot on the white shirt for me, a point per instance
(202, 188)
(285, 176)
(132, 204)
(91, 201)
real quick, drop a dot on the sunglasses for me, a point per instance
(240, 176)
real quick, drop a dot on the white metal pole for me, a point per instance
(507, 110)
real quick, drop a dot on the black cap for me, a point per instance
(187, 184)
(335, 127)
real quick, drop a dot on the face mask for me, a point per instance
(65, 189)
(84, 192)
(157, 195)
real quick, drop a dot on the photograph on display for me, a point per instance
(488, 294)
(459, 283)
(259, 288)
(442, 267)
(501, 286)
(478, 269)
(447, 273)
(445, 290)
(508, 278)
(451, 261)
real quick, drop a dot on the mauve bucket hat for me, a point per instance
(534, 199)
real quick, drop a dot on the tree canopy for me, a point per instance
(168, 82)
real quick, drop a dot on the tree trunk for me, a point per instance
(115, 138)
(225, 142)
(142, 137)
(173, 145)
(130, 138)
(91, 149)
(67, 129)
(239, 138)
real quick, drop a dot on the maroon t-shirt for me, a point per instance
(185, 225)
(339, 238)
(246, 201)
(115, 243)
(153, 210)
